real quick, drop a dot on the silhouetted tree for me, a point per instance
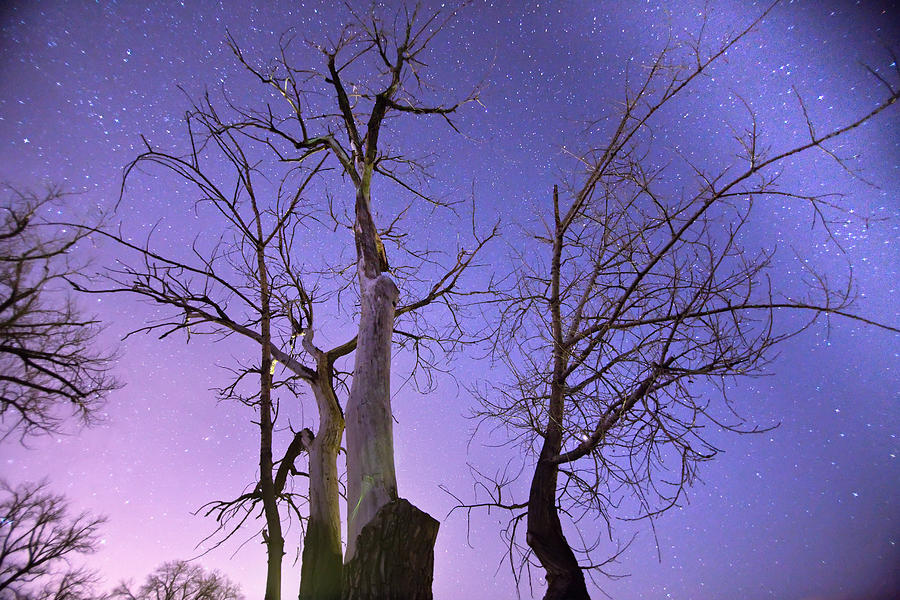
(78, 584)
(181, 580)
(646, 302)
(50, 366)
(249, 282)
(38, 542)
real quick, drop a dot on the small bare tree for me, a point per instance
(646, 304)
(245, 283)
(181, 580)
(77, 584)
(50, 367)
(39, 540)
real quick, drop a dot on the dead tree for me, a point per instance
(371, 71)
(38, 539)
(646, 303)
(245, 282)
(254, 282)
(49, 364)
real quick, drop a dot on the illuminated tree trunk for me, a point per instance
(320, 574)
(372, 481)
(390, 543)
(371, 477)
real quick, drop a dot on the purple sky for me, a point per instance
(807, 511)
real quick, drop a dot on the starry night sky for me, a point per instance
(809, 510)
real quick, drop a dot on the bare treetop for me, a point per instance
(39, 543)
(49, 366)
(181, 580)
(621, 343)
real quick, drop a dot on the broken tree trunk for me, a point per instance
(394, 556)
(371, 476)
(390, 543)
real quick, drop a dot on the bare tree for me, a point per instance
(77, 584)
(392, 54)
(246, 283)
(49, 363)
(645, 306)
(255, 283)
(181, 580)
(39, 540)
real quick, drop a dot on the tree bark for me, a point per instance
(320, 573)
(380, 565)
(394, 556)
(565, 580)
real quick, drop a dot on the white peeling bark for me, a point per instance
(372, 480)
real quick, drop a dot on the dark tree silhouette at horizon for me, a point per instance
(180, 580)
